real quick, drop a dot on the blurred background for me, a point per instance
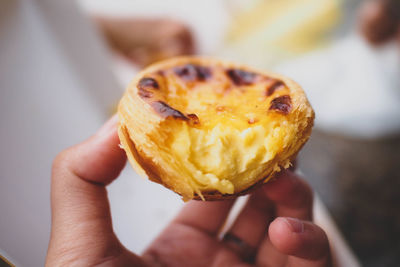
(65, 64)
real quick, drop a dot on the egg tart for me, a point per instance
(209, 129)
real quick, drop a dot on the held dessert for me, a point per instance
(211, 129)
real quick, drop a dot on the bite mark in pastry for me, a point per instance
(210, 129)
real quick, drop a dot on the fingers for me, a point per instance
(305, 242)
(252, 223)
(287, 196)
(190, 239)
(79, 201)
(208, 217)
(291, 196)
(98, 160)
(147, 40)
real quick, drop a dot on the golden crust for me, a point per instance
(146, 121)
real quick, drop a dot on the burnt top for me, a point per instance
(165, 111)
(192, 72)
(148, 83)
(241, 77)
(275, 86)
(281, 104)
(154, 86)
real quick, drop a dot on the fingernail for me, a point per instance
(294, 224)
(108, 126)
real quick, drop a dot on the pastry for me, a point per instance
(209, 129)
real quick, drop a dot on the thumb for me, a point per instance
(305, 243)
(81, 219)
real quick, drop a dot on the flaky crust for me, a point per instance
(138, 119)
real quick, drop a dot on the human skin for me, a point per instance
(276, 220)
(146, 40)
(379, 21)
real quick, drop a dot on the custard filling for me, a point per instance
(223, 128)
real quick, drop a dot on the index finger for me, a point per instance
(208, 217)
(292, 196)
(79, 200)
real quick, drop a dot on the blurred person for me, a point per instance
(274, 228)
(146, 40)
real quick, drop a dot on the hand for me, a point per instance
(380, 20)
(265, 233)
(144, 41)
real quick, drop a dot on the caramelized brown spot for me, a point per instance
(165, 111)
(281, 104)
(241, 77)
(144, 93)
(275, 86)
(203, 73)
(145, 85)
(193, 119)
(148, 83)
(191, 72)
